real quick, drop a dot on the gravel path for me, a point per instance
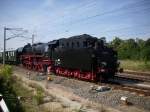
(110, 98)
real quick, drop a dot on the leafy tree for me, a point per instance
(116, 42)
(134, 49)
(146, 54)
(146, 51)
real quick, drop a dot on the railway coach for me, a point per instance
(10, 57)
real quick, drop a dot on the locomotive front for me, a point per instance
(106, 61)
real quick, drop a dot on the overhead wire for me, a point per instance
(124, 28)
(132, 35)
(119, 10)
(125, 7)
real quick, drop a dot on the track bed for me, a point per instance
(109, 98)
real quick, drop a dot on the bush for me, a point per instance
(5, 72)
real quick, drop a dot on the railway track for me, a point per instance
(137, 72)
(136, 89)
(142, 91)
(138, 77)
(130, 84)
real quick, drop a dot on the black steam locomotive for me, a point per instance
(83, 57)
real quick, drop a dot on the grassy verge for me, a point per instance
(135, 65)
(26, 96)
(11, 88)
(6, 89)
(28, 101)
(22, 97)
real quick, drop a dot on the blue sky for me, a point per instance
(54, 19)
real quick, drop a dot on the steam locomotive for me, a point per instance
(83, 56)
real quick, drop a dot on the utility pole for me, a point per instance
(32, 39)
(4, 45)
(5, 39)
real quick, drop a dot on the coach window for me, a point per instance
(84, 44)
(13, 53)
(67, 44)
(10, 53)
(62, 45)
(78, 45)
(72, 44)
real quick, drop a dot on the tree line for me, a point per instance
(133, 49)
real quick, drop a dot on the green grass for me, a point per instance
(28, 105)
(11, 87)
(6, 89)
(135, 65)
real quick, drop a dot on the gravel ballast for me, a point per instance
(110, 97)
